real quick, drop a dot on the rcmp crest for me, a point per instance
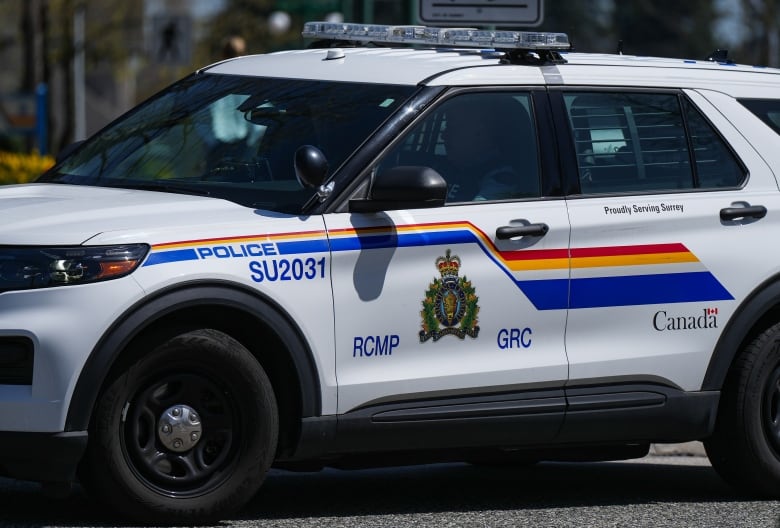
(450, 304)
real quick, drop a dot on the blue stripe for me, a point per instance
(394, 240)
(632, 290)
(551, 294)
(302, 246)
(176, 255)
(599, 292)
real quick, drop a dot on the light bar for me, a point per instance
(433, 36)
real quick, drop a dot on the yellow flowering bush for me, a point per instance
(21, 168)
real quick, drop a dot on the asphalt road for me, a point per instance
(657, 491)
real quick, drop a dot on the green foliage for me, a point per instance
(587, 22)
(22, 168)
(667, 28)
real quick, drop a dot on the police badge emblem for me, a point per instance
(450, 304)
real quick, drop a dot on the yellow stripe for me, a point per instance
(600, 262)
(536, 264)
(633, 260)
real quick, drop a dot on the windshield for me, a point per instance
(232, 137)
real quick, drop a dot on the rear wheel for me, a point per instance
(184, 435)
(745, 447)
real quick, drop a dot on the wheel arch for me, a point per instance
(757, 312)
(247, 316)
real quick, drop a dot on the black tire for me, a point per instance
(186, 434)
(745, 446)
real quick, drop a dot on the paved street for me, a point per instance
(657, 491)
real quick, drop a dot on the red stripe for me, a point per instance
(628, 250)
(535, 254)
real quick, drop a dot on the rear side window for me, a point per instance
(642, 142)
(768, 110)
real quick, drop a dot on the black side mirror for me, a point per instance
(403, 187)
(311, 166)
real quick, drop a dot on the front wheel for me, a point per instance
(745, 447)
(186, 434)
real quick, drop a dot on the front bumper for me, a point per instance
(59, 327)
(41, 457)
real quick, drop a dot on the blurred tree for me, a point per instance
(113, 36)
(668, 28)
(587, 22)
(244, 18)
(761, 44)
(265, 25)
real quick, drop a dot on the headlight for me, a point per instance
(24, 268)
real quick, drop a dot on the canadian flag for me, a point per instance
(711, 311)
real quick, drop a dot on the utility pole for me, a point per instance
(79, 97)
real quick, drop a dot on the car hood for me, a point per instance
(56, 214)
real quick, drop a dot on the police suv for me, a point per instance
(483, 247)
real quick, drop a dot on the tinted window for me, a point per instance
(639, 142)
(768, 110)
(715, 164)
(232, 137)
(483, 144)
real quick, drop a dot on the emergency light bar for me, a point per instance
(433, 36)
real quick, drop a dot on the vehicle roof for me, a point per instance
(450, 66)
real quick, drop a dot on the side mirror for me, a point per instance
(311, 166)
(404, 187)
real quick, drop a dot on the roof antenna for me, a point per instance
(620, 47)
(720, 55)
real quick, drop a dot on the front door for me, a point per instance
(466, 299)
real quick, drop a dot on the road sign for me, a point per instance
(482, 12)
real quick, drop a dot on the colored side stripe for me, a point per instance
(633, 260)
(430, 238)
(548, 294)
(633, 290)
(175, 255)
(302, 246)
(613, 251)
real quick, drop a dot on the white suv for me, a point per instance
(483, 248)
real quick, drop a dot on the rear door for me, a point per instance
(669, 209)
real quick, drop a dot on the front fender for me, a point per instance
(146, 313)
(757, 311)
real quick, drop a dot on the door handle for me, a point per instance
(506, 232)
(751, 211)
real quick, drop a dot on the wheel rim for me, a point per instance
(179, 433)
(772, 409)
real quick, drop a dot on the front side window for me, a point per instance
(232, 137)
(640, 142)
(483, 144)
